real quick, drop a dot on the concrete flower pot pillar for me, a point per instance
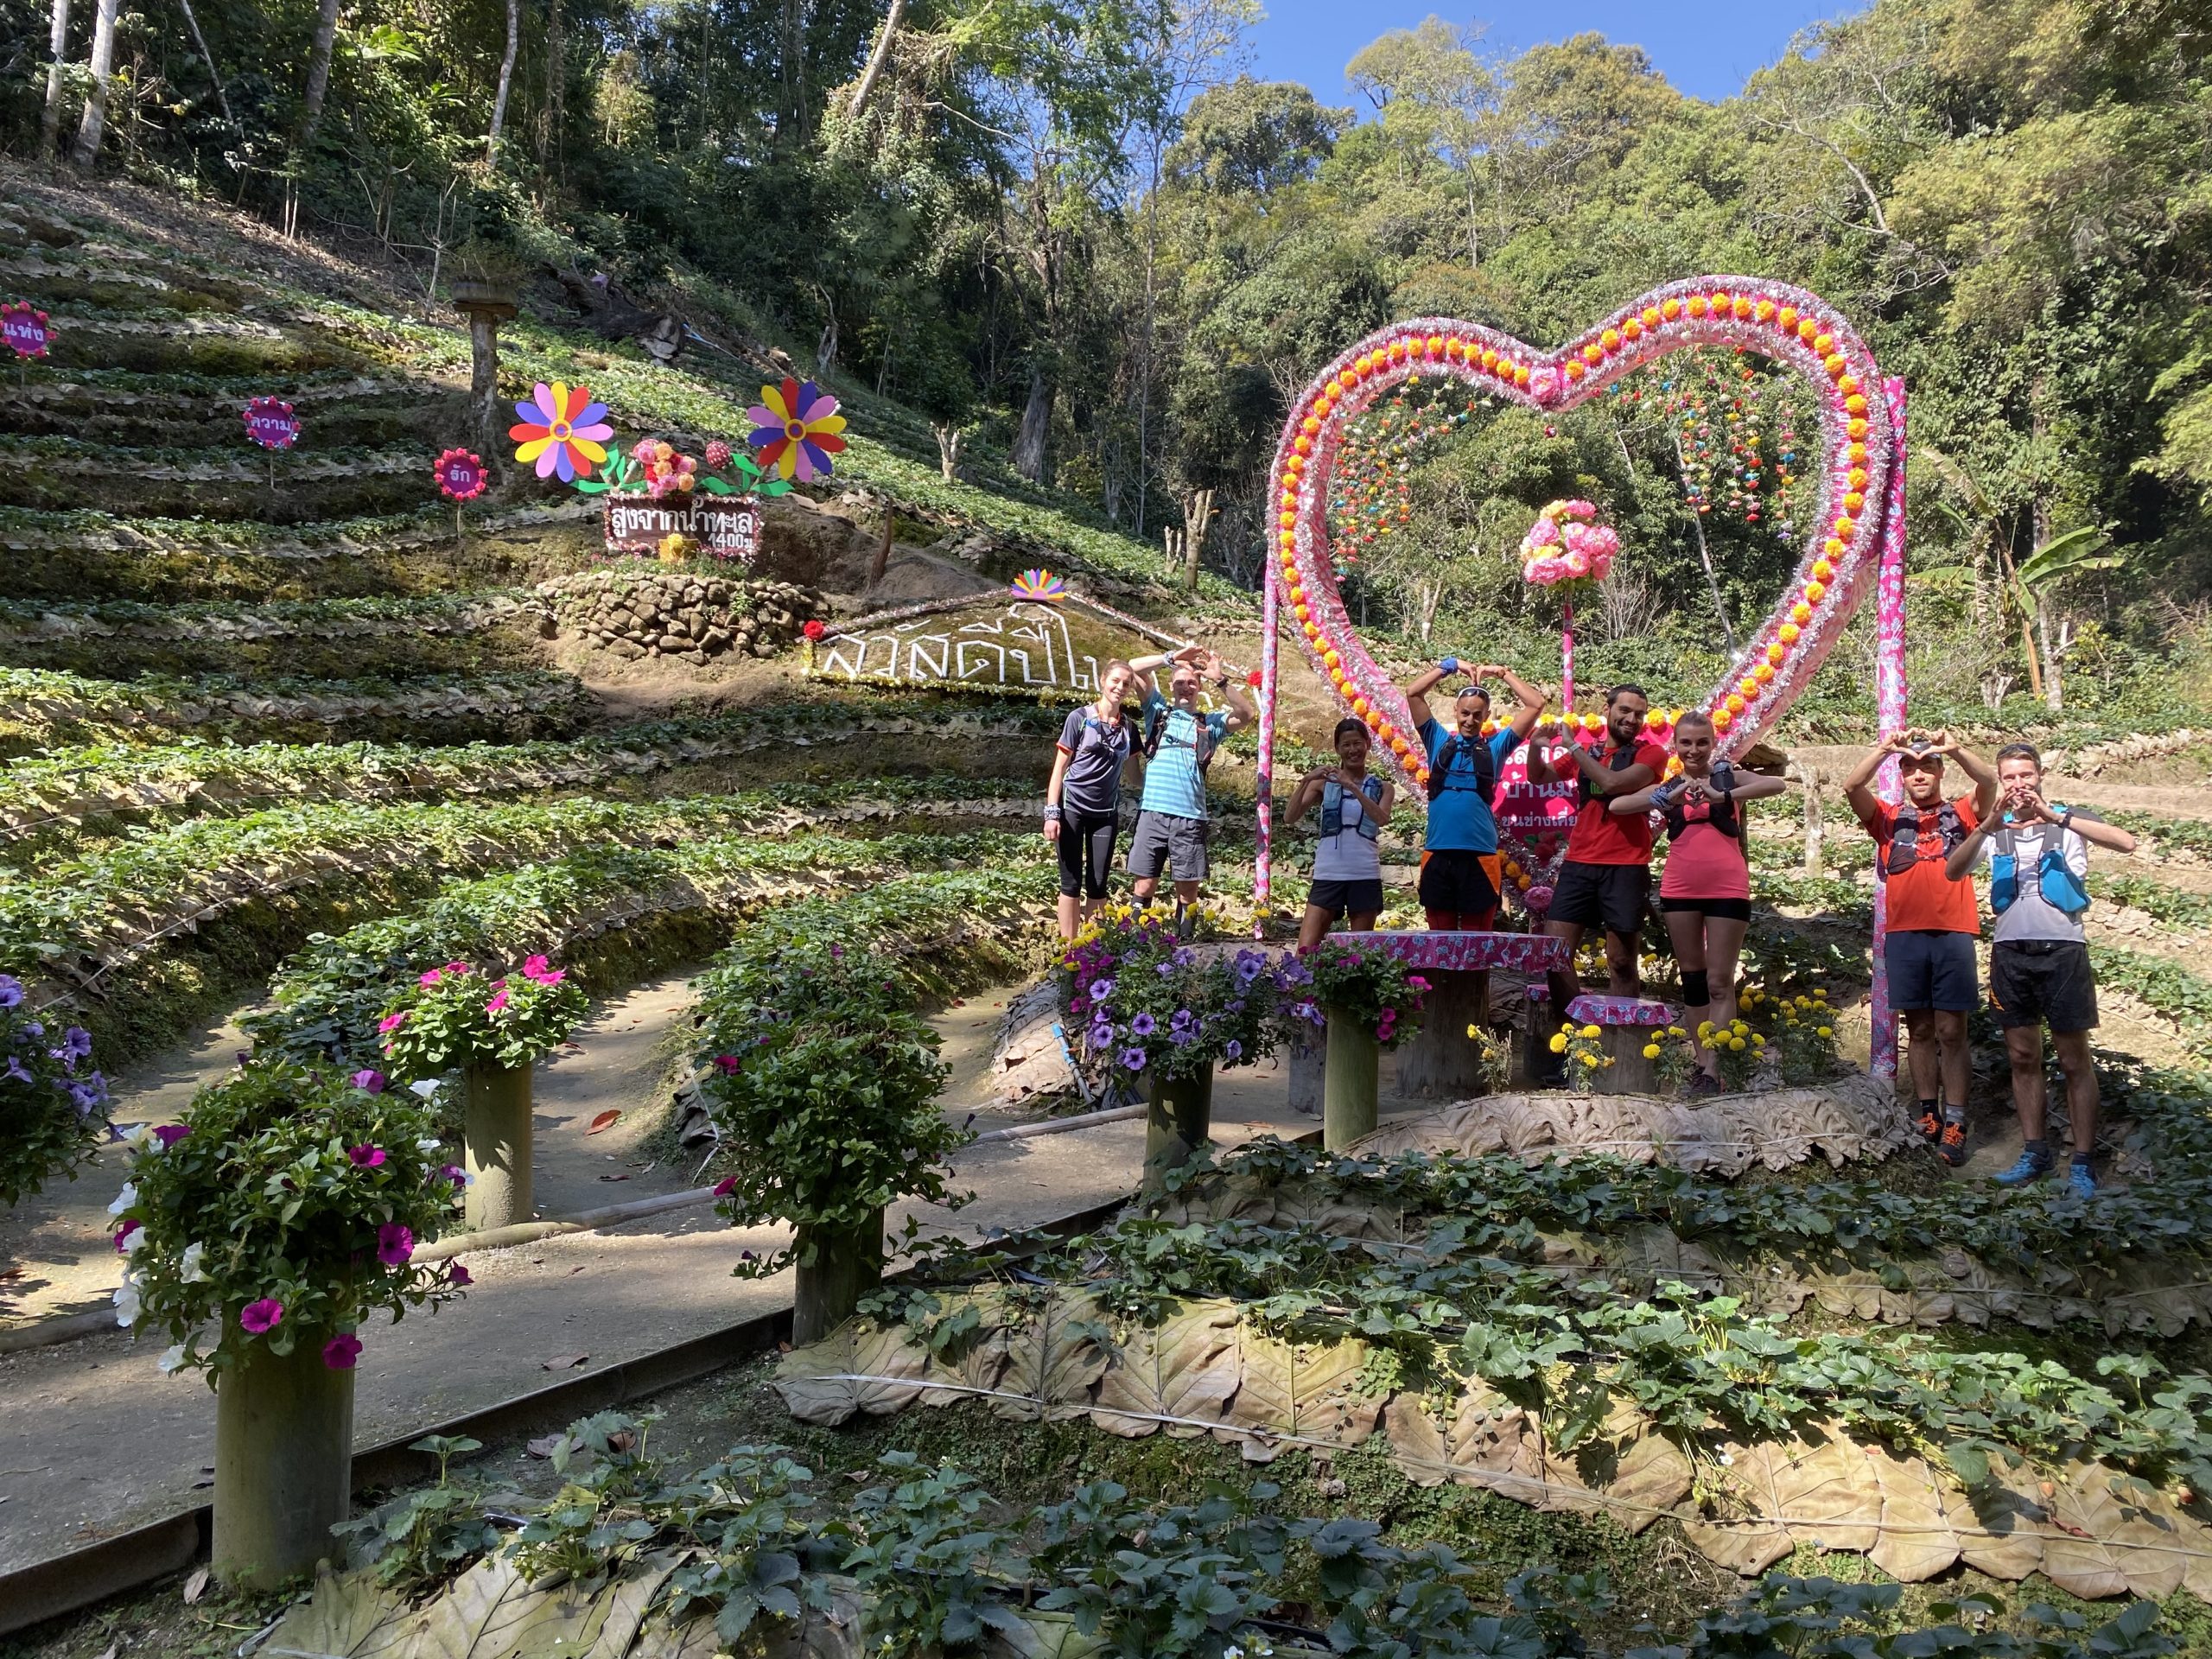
(848, 1264)
(1439, 1062)
(1178, 1123)
(487, 305)
(1351, 1082)
(496, 1133)
(1302, 1068)
(284, 1464)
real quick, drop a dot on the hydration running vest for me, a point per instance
(2054, 878)
(1333, 795)
(1720, 814)
(1619, 761)
(1155, 727)
(1484, 763)
(1905, 837)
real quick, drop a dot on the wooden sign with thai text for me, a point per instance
(724, 527)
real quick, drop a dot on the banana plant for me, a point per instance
(2037, 577)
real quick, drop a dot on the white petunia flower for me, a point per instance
(132, 1241)
(123, 1199)
(127, 1305)
(428, 1087)
(173, 1360)
(189, 1269)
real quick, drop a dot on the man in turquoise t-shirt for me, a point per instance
(1180, 738)
(1459, 873)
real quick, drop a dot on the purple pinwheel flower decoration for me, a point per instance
(796, 428)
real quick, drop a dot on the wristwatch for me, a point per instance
(2066, 819)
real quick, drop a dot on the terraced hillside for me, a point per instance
(268, 748)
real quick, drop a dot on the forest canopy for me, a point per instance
(1081, 232)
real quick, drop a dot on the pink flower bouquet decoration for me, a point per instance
(1568, 544)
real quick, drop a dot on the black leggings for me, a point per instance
(1086, 852)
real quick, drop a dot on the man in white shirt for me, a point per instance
(2039, 971)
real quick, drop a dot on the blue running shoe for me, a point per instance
(2082, 1179)
(2033, 1166)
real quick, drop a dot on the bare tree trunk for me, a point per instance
(878, 57)
(1432, 595)
(877, 565)
(2053, 684)
(214, 75)
(1808, 779)
(506, 79)
(948, 451)
(326, 34)
(1705, 556)
(50, 126)
(1196, 520)
(556, 84)
(87, 149)
(1028, 457)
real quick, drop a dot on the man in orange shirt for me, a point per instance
(1606, 878)
(1932, 922)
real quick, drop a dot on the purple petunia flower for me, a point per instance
(725, 1187)
(1232, 1050)
(11, 991)
(395, 1245)
(367, 1157)
(370, 1080)
(1133, 1059)
(263, 1316)
(1143, 1026)
(1100, 990)
(454, 1173)
(169, 1133)
(16, 1071)
(341, 1351)
(76, 1043)
(458, 1276)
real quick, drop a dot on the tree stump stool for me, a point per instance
(1629, 1023)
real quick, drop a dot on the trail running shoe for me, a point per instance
(2082, 1179)
(1952, 1148)
(1929, 1125)
(2033, 1166)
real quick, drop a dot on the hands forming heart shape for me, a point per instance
(1858, 527)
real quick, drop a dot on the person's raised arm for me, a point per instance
(1532, 699)
(2095, 831)
(1302, 799)
(1859, 788)
(1967, 853)
(1625, 806)
(1754, 787)
(1982, 775)
(1427, 681)
(1241, 711)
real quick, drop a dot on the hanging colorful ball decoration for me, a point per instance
(461, 475)
(271, 423)
(25, 329)
(1733, 430)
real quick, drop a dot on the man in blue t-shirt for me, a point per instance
(1459, 871)
(1178, 741)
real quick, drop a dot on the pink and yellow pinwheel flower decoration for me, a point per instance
(563, 432)
(796, 428)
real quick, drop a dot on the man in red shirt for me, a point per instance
(1932, 920)
(1606, 879)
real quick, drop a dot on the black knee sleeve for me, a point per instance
(1697, 990)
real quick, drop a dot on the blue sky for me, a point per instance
(1707, 47)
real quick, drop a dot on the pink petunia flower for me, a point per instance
(458, 967)
(458, 1276)
(258, 1318)
(367, 1157)
(368, 1079)
(123, 1235)
(432, 977)
(169, 1133)
(391, 1022)
(725, 1187)
(395, 1245)
(728, 1065)
(341, 1351)
(497, 1003)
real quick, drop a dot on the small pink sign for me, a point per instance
(461, 475)
(270, 423)
(24, 327)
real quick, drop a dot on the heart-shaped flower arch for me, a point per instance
(1787, 324)
(1858, 530)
